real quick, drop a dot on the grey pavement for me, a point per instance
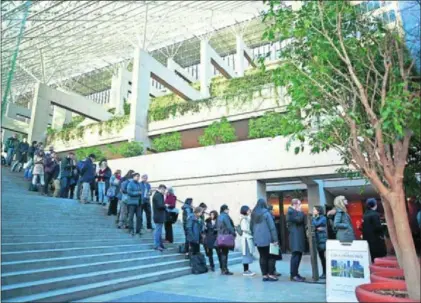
(212, 287)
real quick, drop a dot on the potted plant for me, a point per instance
(353, 88)
(383, 292)
(392, 274)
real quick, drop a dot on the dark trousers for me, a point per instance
(112, 207)
(168, 232)
(48, 177)
(146, 207)
(323, 260)
(132, 210)
(295, 263)
(72, 190)
(209, 253)
(64, 187)
(223, 259)
(79, 189)
(195, 248)
(267, 261)
(187, 243)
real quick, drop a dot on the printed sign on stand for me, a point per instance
(347, 266)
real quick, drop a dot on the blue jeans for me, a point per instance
(64, 187)
(102, 198)
(158, 235)
(9, 157)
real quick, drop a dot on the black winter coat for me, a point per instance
(158, 204)
(210, 234)
(187, 211)
(296, 227)
(373, 234)
(194, 229)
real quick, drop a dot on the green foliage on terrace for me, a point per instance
(84, 152)
(66, 134)
(231, 92)
(125, 150)
(167, 142)
(271, 124)
(217, 133)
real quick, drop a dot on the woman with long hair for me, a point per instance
(113, 192)
(264, 233)
(122, 215)
(342, 222)
(247, 242)
(170, 202)
(210, 238)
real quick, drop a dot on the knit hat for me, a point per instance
(371, 202)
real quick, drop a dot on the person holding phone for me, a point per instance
(297, 244)
(264, 233)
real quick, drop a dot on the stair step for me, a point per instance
(88, 290)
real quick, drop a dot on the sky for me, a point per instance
(410, 13)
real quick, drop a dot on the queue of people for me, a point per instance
(130, 196)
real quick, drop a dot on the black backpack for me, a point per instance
(198, 264)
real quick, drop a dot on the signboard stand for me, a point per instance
(347, 266)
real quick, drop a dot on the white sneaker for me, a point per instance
(249, 273)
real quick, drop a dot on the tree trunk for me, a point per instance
(409, 258)
(391, 228)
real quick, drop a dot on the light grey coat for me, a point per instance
(247, 237)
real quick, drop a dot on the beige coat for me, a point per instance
(39, 165)
(247, 236)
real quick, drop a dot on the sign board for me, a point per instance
(347, 266)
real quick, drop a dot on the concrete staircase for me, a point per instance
(57, 250)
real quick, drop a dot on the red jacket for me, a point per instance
(171, 200)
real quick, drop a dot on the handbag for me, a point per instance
(225, 241)
(111, 192)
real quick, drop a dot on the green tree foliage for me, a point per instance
(167, 142)
(130, 149)
(352, 81)
(218, 132)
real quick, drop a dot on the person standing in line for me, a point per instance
(247, 242)
(31, 154)
(342, 222)
(204, 207)
(159, 216)
(38, 171)
(87, 176)
(10, 148)
(134, 192)
(319, 223)
(145, 203)
(170, 203)
(187, 211)
(66, 169)
(49, 166)
(21, 155)
(225, 226)
(275, 273)
(373, 230)
(93, 185)
(115, 188)
(211, 232)
(264, 233)
(74, 179)
(194, 230)
(122, 216)
(56, 176)
(297, 244)
(103, 178)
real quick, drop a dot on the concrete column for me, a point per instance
(39, 117)
(119, 89)
(61, 116)
(313, 195)
(239, 57)
(205, 69)
(140, 99)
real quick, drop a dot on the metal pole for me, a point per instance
(14, 57)
(311, 232)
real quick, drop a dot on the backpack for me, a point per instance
(198, 264)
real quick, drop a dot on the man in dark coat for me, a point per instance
(373, 230)
(21, 155)
(158, 202)
(187, 211)
(194, 230)
(297, 245)
(10, 148)
(67, 166)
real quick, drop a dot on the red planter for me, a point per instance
(387, 276)
(365, 292)
(376, 268)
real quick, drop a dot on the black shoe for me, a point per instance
(322, 277)
(277, 274)
(302, 278)
(227, 273)
(272, 279)
(212, 268)
(297, 279)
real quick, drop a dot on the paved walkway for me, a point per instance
(213, 287)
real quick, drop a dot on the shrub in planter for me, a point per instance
(394, 291)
